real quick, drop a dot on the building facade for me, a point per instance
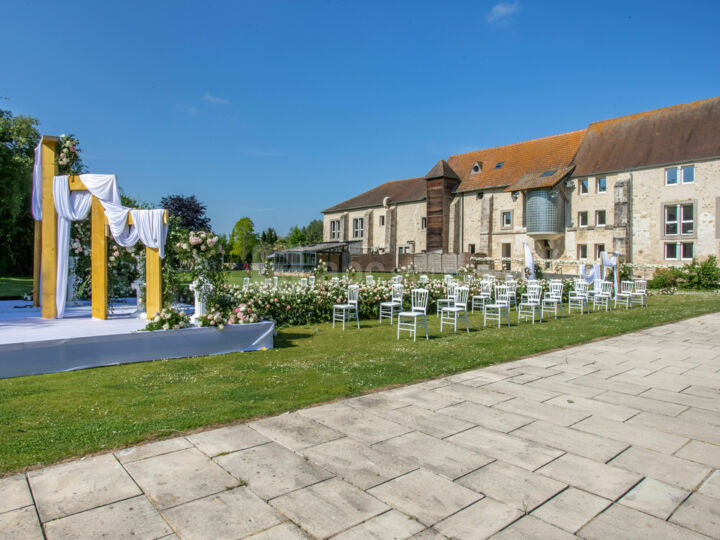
(646, 186)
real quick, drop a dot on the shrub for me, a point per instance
(664, 278)
(705, 275)
(168, 319)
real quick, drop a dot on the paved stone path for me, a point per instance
(615, 439)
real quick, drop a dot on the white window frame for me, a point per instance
(679, 219)
(597, 184)
(358, 227)
(508, 224)
(580, 249)
(682, 173)
(581, 225)
(677, 180)
(334, 229)
(597, 218)
(598, 251)
(583, 186)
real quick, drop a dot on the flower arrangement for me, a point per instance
(201, 254)
(268, 269)
(168, 319)
(68, 159)
(320, 270)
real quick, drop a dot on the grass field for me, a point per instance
(46, 418)
(11, 287)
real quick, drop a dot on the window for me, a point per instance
(423, 223)
(582, 219)
(477, 167)
(679, 219)
(582, 252)
(382, 221)
(688, 175)
(506, 253)
(599, 248)
(600, 218)
(583, 186)
(676, 175)
(335, 229)
(507, 219)
(358, 226)
(548, 173)
(471, 248)
(601, 185)
(499, 164)
(682, 250)
(480, 195)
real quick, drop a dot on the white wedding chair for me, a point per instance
(451, 287)
(530, 302)
(424, 278)
(578, 297)
(408, 321)
(369, 280)
(246, 283)
(624, 295)
(512, 292)
(388, 308)
(500, 306)
(552, 299)
(312, 281)
(346, 312)
(639, 293)
(603, 296)
(479, 300)
(303, 282)
(450, 314)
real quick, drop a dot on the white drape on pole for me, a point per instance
(70, 207)
(148, 226)
(37, 184)
(529, 262)
(592, 274)
(611, 262)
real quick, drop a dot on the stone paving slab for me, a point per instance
(613, 439)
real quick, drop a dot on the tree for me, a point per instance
(296, 236)
(190, 211)
(314, 231)
(243, 239)
(18, 138)
(269, 237)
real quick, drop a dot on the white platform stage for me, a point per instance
(31, 345)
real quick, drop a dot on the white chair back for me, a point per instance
(268, 283)
(509, 277)
(447, 278)
(626, 287)
(303, 282)
(275, 281)
(488, 277)
(533, 292)
(312, 281)
(397, 292)
(640, 286)
(419, 300)
(502, 294)
(556, 288)
(369, 280)
(246, 283)
(353, 294)
(486, 288)
(606, 287)
(468, 279)
(533, 282)
(451, 288)
(581, 287)
(424, 278)
(461, 297)
(397, 279)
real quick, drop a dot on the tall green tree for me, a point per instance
(18, 138)
(314, 231)
(243, 239)
(190, 211)
(296, 237)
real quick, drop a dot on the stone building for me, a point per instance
(645, 185)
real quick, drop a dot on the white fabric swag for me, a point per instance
(148, 226)
(611, 262)
(529, 262)
(592, 274)
(37, 184)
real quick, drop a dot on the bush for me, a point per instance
(664, 278)
(705, 275)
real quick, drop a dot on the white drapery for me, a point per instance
(70, 207)
(148, 226)
(529, 262)
(592, 274)
(611, 262)
(37, 184)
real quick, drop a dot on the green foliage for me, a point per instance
(705, 275)
(268, 237)
(664, 278)
(68, 159)
(189, 210)
(168, 319)
(243, 239)
(296, 237)
(625, 272)
(18, 138)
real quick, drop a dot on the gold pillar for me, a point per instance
(153, 282)
(48, 228)
(99, 264)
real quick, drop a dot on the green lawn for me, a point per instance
(46, 418)
(15, 286)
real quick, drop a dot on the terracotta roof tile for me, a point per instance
(540, 179)
(554, 152)
(412, 189)
(671, 135)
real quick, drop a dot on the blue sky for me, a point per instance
(277, 109)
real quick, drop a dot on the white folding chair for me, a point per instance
(530, 302)
(450, 314)
(312, 281)
(451, 287)
(639, 293)
(624, 295)
(501, 305)
(408, 321)
(246, 283)
(479, 300)
(603, 296)
(578, 297)
(369, 280)
(552, 299)
(304, 282)
(388, 308)
(345, 312)
(512, 292)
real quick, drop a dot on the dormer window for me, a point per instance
(548, 173)
(477, 167)
(499, 164)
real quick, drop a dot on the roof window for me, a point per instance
(477, 167)
(548, 173)
(499, 164)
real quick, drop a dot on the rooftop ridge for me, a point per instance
(519, 142)
(641, 114)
